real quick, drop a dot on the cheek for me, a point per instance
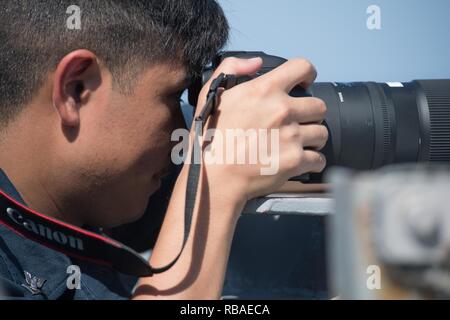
(126, 135)
(154, 127)
(141, 135)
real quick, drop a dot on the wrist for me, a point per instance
(223, 190)
(218, 191)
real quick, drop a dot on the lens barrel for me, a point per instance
(375, 124)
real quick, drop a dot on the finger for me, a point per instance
(292, 73)
(314, 136)
(238, 67)
(312, 162)
(235, 66)
(307, 110)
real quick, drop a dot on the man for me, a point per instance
(87, 116)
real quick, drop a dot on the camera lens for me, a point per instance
(375, 124)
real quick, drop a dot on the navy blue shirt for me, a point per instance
(29, 270)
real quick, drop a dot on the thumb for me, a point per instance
(239, 67)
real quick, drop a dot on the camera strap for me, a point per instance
(89, 246)
(221, 82)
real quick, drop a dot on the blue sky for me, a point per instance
(413, 43)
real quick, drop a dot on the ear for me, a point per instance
(76, 77)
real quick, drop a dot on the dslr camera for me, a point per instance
(370, 124)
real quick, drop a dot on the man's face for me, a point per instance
(123, 145)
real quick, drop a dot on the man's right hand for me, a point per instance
(264, 103)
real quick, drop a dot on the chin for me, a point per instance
(130, 206)
(124, 216)
(136, 210)
(126, 211)
(132, 218)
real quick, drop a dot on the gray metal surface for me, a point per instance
(300, 204)
(278, 250)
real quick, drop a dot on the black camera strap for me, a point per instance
(221, 82)
(100, 249)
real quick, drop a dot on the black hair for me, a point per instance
(124, 34)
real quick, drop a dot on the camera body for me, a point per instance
(269, 63)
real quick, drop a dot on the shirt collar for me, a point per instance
(7, 187)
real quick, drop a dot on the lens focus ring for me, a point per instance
(437, 94)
